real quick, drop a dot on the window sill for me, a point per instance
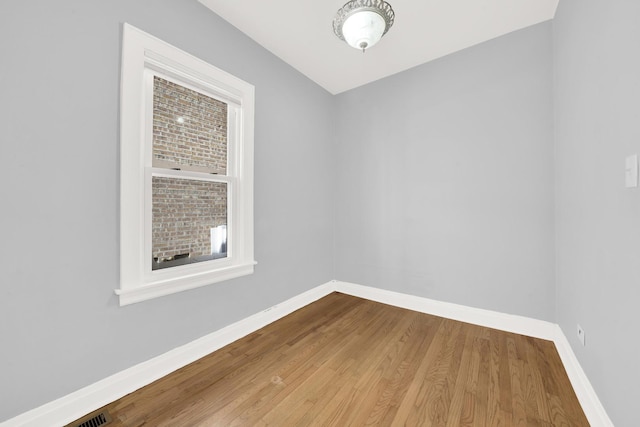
(167, 287)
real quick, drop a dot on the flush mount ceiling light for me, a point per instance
(362, 23)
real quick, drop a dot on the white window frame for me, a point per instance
(142, 57)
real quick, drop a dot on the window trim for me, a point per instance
(142, 52)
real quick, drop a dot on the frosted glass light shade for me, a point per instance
(363, 29)
(362, 23)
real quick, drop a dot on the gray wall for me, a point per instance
(445, 179)
(443, 188)
(60, 323)
(597, 122)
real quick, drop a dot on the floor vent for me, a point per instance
(100, 419)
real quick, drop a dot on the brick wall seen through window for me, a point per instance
(189, 128)
(189, 133)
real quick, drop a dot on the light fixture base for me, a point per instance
(368, 28)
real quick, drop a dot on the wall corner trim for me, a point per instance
(73, 406)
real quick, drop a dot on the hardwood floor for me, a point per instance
(345, 361)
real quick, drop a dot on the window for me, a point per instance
(186, 159)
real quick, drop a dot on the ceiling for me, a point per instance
(300, 33)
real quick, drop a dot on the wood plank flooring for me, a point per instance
(345, 361)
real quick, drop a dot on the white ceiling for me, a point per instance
(300, 33)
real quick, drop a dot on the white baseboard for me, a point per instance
(90, 398)
(593, 409)
(79, 403)
(490, 319)
(587, 397)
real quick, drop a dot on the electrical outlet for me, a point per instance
(581, 335)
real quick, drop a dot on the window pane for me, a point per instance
(189, 221)
(189, 129)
